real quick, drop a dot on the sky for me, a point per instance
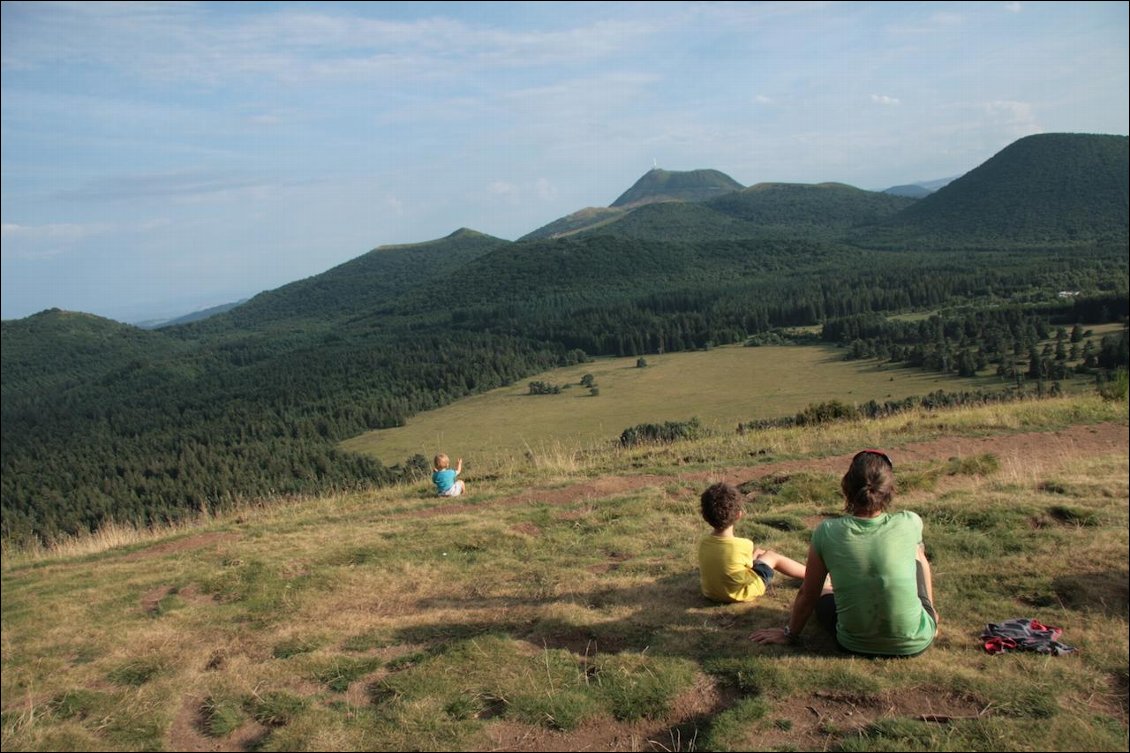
(161, 158)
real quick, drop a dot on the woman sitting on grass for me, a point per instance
(883, 602)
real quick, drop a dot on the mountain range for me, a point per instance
(103, 421)
(1040, 189)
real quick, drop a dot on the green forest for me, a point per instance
(106, 422)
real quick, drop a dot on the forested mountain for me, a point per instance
(360, 287)
(792, 207)
(102, 421)
(666, 185)
(825, 210)
(54, 350)
(1051, 188)
(655, 187)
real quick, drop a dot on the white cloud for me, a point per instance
(196, 43)
(502, 188)
(1014, 7)
(883, 99)
(1011, 112)
(545, 190)
(184, 183)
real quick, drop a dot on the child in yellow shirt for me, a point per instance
(730, 568)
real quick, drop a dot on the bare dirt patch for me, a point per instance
(824, 717)
(529, 529)
(186, 733)
(151, 600)
(182, 545)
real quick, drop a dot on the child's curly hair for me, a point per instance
(722, 504)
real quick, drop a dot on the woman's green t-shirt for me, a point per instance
(872, 562)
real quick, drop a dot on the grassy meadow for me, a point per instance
(557, 607)
(721, 387)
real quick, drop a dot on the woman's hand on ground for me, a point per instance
(770, 635)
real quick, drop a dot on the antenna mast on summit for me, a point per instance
(654, 163)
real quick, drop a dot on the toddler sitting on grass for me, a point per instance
(730, 568)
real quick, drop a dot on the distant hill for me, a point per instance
(55, 350)
(911, 191)
(363, 285)
(655, 187)
(1052, 188)
(918, 190)
(828, 206)
(195, 316)
(766, 208)
(664, 185)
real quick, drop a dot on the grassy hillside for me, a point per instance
(557, 607)
(589, 217)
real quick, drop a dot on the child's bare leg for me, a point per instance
(780, 563)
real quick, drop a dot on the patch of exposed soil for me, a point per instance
(182, 545)
(826, 717)
(151, 600)
(527, 528)
(186, 733)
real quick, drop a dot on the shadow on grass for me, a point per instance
(667, 617)
(1106, 592)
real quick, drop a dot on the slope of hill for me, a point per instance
(558, 607)
(362, 286)
(57, 350)
(195, 316)
(1052, 188)
(675, 221)
(665, 185)
(587, 218)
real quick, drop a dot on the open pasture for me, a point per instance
(721, 387)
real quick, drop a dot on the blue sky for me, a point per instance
(159, 158)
